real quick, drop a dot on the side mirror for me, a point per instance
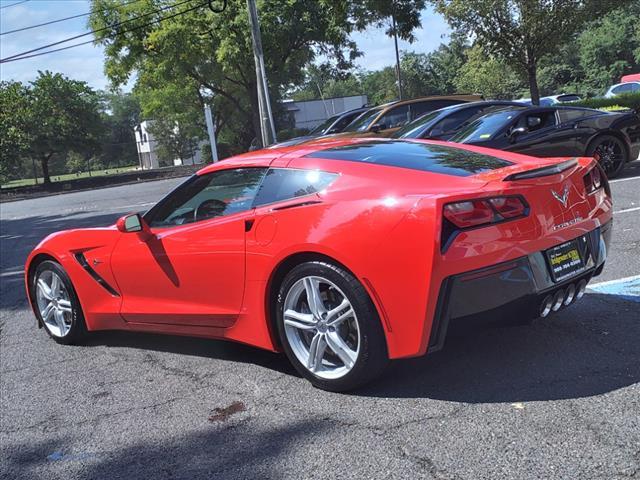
(517, 131)
(436, 132)
(130, 223)
(533, 121)
(377, 127)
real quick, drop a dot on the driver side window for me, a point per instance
(207, 196)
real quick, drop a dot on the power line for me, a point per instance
(13, 4)
(18, 56)
(63, 19)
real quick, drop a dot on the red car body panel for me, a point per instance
(383, 223)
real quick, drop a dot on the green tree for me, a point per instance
(488, 76)
(121, 113)
(521, 32)
(14, 125)
(63, 115)
(610, 47)
(213, 50)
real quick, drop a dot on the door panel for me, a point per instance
(185, 275)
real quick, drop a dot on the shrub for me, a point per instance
(630, 101)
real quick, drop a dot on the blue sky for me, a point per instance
(86, 62)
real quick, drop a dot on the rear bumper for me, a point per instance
(513, 289)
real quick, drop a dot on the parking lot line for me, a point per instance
(624, 179)
(627, 288)
(627, 210)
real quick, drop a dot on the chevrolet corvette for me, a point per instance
(344, 254)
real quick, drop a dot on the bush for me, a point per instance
(621, 102)
(289, 133)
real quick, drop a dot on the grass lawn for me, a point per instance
(69, 176)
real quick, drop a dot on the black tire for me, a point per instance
(78, 328)
(372, 356)
(611, 152)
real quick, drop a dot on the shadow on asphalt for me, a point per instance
(223, 451)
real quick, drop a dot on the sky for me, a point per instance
(86, 62)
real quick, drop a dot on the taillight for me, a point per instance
(459, 216)
(485, 211)
(593, 181)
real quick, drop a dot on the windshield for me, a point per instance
(416, 128)
(363, 122)
(324, 125)
(485, 127)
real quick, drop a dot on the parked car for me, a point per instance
(444, 123)
(346, 255)
(554, 99)
(613, 138)
(384, 120)
(334, 124)
(633, 77)
(623, 88)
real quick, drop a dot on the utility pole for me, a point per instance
(395, 39)
(211, 130)
(267, 126)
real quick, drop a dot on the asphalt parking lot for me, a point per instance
(558, 399)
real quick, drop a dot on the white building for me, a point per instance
(310, 113)
(147, 147)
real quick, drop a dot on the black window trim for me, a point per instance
(254, 206)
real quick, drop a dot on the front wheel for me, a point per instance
(329, 328)
(610, 152)
(56, 303)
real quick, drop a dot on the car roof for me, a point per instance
(460, 96)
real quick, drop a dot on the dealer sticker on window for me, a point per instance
(565, 260)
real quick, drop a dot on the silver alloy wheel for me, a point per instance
(321, 327)
(54, 303)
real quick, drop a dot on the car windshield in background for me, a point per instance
(485, 127)
(361, 123)
(417, 127)
(320, 129)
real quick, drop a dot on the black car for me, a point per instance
(442, 124)
(334, 124)
(612, 138)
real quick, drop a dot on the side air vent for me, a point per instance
(103, 283)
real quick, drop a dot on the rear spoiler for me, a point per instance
(542, 172)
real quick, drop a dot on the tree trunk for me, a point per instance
(44, 163)
(532, 73)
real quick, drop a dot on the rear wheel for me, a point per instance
(610, 152)
(56, 303)
(329, 328)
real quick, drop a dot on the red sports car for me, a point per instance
(343, 254)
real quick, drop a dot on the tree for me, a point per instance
(62, 115)
(488, 76)
(212, 51)
(521, 32)
(14, 141)
(610, 47)
(121, 114)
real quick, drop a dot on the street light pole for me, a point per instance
(395, 39)
(267, 127)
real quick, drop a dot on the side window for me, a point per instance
(537, 121)
(284, 183)
(395, 117)
(569, 115)
(420, 108)
(343, 122)
(625, 88)
(207, 196)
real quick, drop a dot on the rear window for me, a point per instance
(416, 156)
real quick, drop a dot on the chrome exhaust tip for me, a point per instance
(582, 286)
(569, 295)
(545, 308)
(558, 298)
